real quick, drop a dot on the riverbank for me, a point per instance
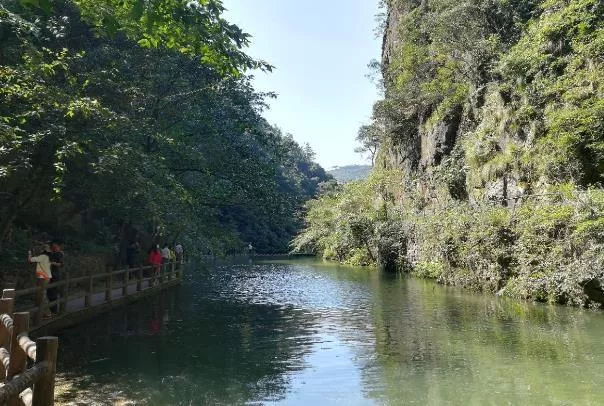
(546, 248)
(487, 153)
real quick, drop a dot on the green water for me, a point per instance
(305, 333)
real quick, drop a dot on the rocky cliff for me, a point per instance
(494, 105)
(491, 159)
(426, 126)
(510, 90)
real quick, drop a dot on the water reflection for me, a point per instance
(204, 344)
(304, 333)
(442, 346)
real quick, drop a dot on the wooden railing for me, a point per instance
(35, 385)
(23, 386)
(84, 292)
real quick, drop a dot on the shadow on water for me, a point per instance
(192, 344)
(305, 332)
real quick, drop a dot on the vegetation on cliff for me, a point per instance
(489, 171)
(131, 119)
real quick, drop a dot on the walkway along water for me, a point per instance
(74, 304)
(92, 294)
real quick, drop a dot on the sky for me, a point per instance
(320, 50)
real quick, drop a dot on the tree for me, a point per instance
(104, 136)
(369, 136)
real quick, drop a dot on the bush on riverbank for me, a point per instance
(544, 248)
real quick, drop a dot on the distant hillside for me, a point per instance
(344, 174)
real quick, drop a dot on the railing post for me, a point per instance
(44, 388)
(18, 358)
(89, 292)
(6, 307)
(40, 303)
(125, 287)
(139, 279)
(8, 293)
(64, 295)
(108, 286)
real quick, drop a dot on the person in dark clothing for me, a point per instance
(56, 264)
(132, 254)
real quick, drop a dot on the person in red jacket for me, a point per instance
(154, 259)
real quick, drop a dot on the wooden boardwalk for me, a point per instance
(79, 298)
(20, 385)
(85, 296)
(74, 305)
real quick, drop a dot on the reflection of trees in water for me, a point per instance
(212, 351)
(234, 337)
(436, 345)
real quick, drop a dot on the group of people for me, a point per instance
(157, 256)
(48, 269)
(50, 261)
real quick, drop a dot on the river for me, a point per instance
(310, 333)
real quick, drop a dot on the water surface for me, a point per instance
(304, 333)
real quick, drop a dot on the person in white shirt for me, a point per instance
(179, 250)
(42, 262)
(165, 254)
(43, 272)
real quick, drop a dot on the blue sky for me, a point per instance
(320, 49)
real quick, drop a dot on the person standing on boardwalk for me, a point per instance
(172, 254)
(43, 274)
(154, 259)
(132, 254)
(165, 254)
(56, 263)
(179, 250)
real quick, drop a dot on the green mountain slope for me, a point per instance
(349, 173)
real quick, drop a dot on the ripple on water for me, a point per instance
(305, 333)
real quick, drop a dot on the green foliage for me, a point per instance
(545, 250)
(446, 50)
(369, 137)
(106, 139)
(555, 69)
(342, 224)
(493, 118)
(192, 27)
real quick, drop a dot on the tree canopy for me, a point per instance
(127, 118)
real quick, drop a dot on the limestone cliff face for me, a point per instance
(392, 36)
(404, 148)
(412, 145)
(417, 143)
